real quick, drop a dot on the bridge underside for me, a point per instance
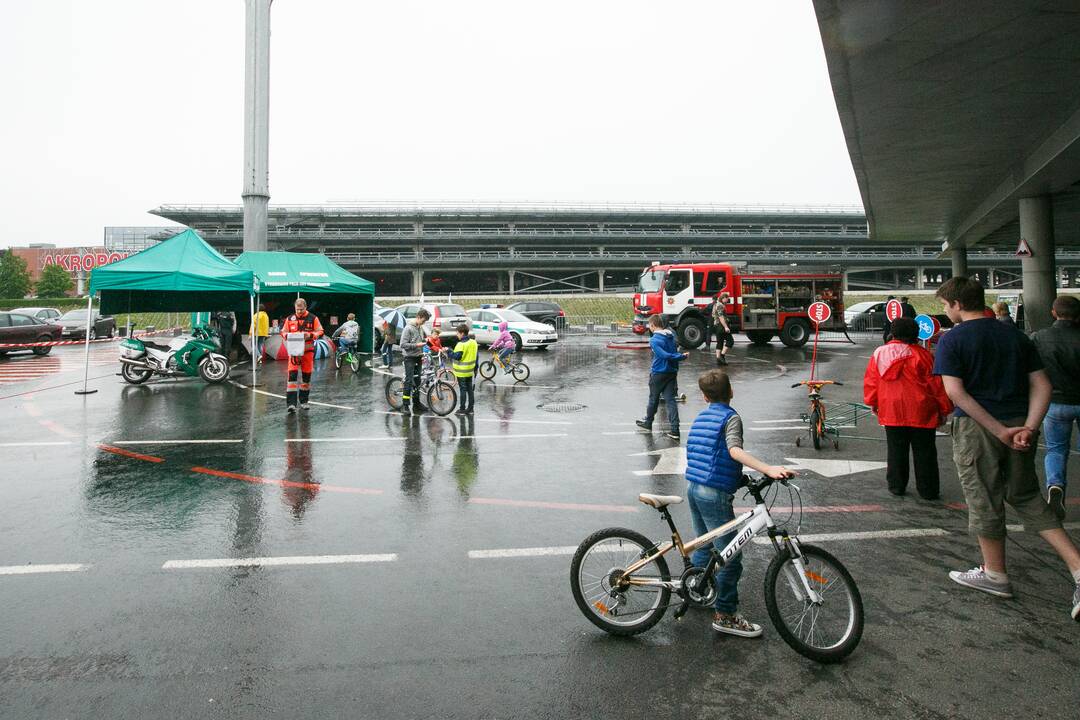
(407, 251)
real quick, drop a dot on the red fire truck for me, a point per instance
(762, 304)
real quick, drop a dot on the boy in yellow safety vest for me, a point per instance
(464, 356)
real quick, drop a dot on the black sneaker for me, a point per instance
(673, 434)
(1055, 498)
(643, 425)
(1076, 603)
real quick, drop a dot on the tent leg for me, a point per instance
(86, 344)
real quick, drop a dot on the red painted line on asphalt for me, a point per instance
(57, 428)
(285, 483)
(128, 453)
(553, 505)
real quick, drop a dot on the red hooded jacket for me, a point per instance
(901, 387)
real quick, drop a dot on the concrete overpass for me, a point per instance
(962, 122)
(407, 249)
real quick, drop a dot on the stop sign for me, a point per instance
(819, 312)
(894, 310)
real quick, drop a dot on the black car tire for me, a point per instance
(112, 330)
(760, 337)
(93, 333)
(517, 342)
(42, 350)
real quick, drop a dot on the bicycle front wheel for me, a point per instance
(597, 581)
(826, 631)
(486, 369)
(442, 398)
(394, 388)
(337, 360)
(521, 372)
(817, 428)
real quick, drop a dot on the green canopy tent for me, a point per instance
(332, 291)
(180, 274)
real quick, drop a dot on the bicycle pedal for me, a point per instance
(681, 610)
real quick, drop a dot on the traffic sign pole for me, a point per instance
(819, 312)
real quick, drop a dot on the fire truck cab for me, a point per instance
(761, 304)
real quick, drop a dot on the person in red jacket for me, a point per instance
(910, 402)
(300, 367)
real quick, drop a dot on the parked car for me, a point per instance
(74, 324)
(526, 333)
(865, 316)
(548, 313)
(45, 314)
(19, 328)
(445, 317)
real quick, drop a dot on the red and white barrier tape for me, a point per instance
(53, 343)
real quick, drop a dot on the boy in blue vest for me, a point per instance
(714, 467)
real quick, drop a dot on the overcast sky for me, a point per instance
(113, 108)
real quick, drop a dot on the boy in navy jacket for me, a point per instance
(664, 375)
(714, 467)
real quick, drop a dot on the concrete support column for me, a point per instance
(844, 281)
(512, 288)
(256, 192)
(959, 261)
(920, 278)
(417, 282)
(991, 278)
(502, 282)
(600, 280)
(1040, 275)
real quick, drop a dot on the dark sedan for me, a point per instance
(74, 324)
(18, 328)
(548, 313)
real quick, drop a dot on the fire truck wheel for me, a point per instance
(691, 332)
(795, 333)
(760, 337)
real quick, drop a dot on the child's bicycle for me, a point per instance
(518, 369)
(438, 395)
(621, 582)
(815, 418)
(346, 353)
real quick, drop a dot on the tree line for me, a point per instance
(15, 281)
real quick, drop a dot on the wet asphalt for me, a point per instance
(434, 633)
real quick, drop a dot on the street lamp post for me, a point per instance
(256, 193)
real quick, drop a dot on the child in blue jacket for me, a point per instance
(714, 467)
(664, 375)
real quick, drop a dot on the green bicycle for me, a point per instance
(347, 354)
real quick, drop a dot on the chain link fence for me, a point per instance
(590, 314)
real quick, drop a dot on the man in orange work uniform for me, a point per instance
(301, 322)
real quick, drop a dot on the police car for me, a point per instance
(526, 333)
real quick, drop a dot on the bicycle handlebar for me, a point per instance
(818, 383)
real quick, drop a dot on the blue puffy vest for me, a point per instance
(707, 458)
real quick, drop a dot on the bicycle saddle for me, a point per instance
(659, 501)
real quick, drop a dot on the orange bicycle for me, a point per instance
(816, 417)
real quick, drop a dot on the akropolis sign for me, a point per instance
(77, 259)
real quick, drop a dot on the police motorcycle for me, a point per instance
(184, 356)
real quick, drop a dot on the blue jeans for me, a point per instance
(388, 354)
(709, 509)
(663, 385)
(346, 344)
(505, 353)
(1057, 428)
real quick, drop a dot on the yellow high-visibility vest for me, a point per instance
(466, 365)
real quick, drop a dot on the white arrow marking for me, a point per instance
(672, 461)
(834, 468)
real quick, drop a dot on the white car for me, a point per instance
(526, 333)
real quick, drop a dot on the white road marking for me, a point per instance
(33, 569)
(344, 439)
(672, 461)
(270, 394)
(511, 437)
(35, 444)
(268, 561)
(784, 427)
(866, 535)
(834, 468)
(537, 551)
(1020, 528)
(518, 386)
(785, 420)
(527, 422)
(629, 432)
(173, 442)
